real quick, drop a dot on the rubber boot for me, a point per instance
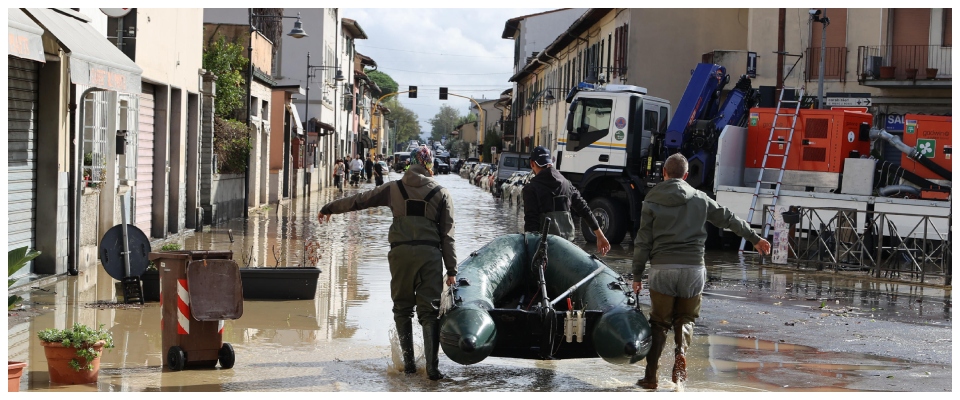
(649, 380)
(405, 335)
(682, 335)
(431, 348)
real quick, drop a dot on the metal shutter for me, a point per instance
(22, 81)
(143, 202)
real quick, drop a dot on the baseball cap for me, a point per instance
(541, 156)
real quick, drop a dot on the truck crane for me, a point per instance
(617, 137)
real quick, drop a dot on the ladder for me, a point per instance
(791, 113)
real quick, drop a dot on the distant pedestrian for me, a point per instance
(671, 237)
(339, 170)
(422, 244)
(368, 168)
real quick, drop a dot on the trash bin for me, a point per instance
(198, 290)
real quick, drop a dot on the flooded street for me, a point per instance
(761, 329)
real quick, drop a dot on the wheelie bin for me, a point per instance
(198, 291)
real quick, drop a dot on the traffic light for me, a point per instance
(443, 93)
(413, 92)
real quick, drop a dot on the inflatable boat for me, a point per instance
(535, 296)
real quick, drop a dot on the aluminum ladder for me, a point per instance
(766, 155)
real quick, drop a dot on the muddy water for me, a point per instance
(341, 340)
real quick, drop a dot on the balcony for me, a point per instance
(904, 66)
(834, 64)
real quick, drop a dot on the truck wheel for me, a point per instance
(612, 217)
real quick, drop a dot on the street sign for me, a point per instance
(847, 101)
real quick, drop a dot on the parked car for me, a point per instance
(517, 195)
(480, 171)
(510, 187)
(510, 162)
(455, 165)
(467, 169)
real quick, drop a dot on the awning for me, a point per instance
(365, 139)
(298, 126)
(94, 61)
(24, 36)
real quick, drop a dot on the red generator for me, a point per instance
(822, 139)
(931, 135)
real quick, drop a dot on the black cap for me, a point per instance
(541, 156)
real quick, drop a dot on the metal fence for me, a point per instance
(885, 244)
(834, 63)
(904, 62)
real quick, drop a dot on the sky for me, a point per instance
(460, 49)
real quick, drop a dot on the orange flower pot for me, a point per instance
(14, 372)
(58, 364)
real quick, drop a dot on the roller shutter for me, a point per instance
(143, 202)
(22, 81)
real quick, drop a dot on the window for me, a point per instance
(254, 110)
(947, 27)
(590, 122)
(95, 138)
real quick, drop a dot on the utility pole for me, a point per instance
(823, 53)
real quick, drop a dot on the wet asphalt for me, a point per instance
(762, 328)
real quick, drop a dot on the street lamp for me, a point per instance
(297, 33)
(815, 16)
(306, 111)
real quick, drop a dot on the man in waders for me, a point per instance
(671, 237)
(422, 244)
(549, 194)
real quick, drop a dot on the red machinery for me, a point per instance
(931, 136)
(822, 139)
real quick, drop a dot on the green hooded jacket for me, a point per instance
(672, 229)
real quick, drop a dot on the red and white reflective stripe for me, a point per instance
(183, 307)
(220, 327)
(161, 302)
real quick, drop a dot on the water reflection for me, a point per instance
(338, 341)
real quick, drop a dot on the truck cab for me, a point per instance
(605, 150)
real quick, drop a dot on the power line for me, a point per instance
(439, 73)
(437, 54)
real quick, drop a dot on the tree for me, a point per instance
(385, 82)
(226, 61)
(407, 124)
(444, 122)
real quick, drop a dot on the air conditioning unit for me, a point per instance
(873, 66)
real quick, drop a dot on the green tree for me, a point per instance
(444, 122)
(491, 138)
(385, 82)
(407, 123)
(227, 62)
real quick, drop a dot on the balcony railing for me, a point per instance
(834, 63)
(904, 62)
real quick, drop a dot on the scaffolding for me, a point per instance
(884, 244)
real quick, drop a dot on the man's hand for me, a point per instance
(451, 280)
(763, 246)
(323, 217)
(637, 286)
(603, 246)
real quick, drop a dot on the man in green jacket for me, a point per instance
(421, 242)
(671, 237)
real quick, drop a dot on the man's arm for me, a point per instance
(531, 209)
(643, 246)
(582, 209)
(447, 227)
(723, 218)
(378, 197)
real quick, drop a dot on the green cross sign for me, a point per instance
(927, 147)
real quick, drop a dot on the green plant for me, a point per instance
(226, 60)
(170, 247)
(17, 259)
(81, 338)
(230, 144)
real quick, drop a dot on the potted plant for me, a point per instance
(888, 72)
(932, 73)
(150, 278)
(16, 260)
(73, 355)
(911, 73)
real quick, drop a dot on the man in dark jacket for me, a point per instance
(368, 168)
(421, 241)
(671, 237)
(549, 194)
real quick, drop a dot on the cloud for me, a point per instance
(432, 47)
